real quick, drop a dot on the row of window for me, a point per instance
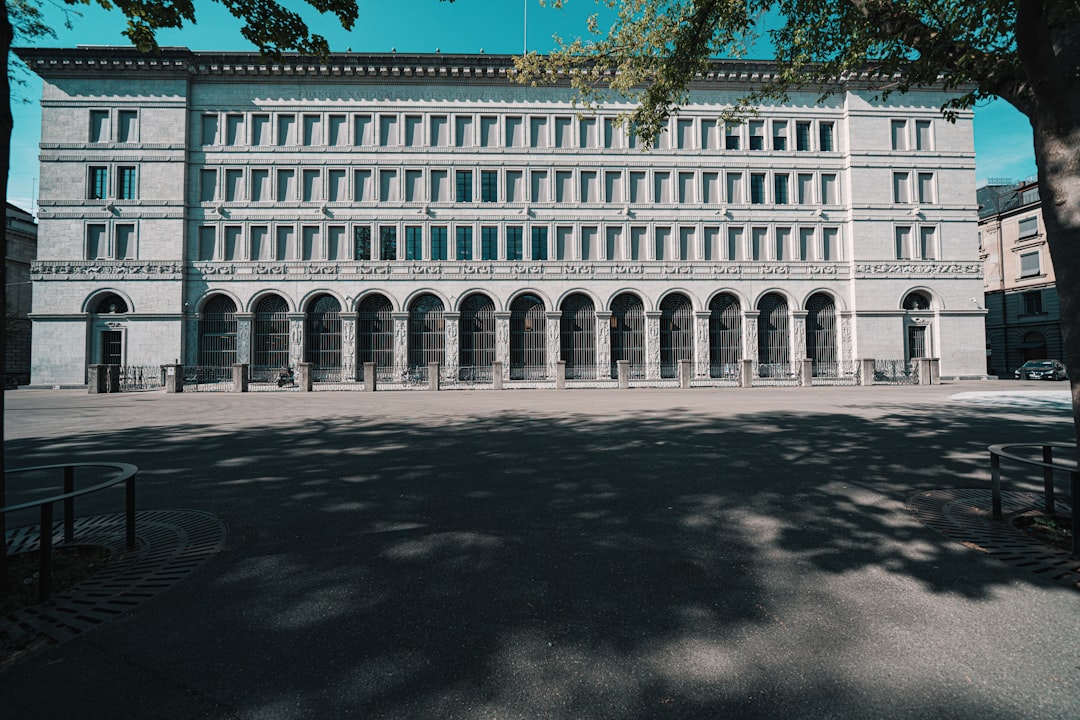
(123, 185)
(393, 129)
(121, 126)
(516, 242)
(537, 186)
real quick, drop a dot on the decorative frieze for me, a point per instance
(106, 270)
(908, 269)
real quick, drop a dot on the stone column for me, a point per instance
(243, 337)
(401, 342)
(603, 344)
(497, 375)
(451, 354)
(502, 342)
(304, 376)
(190, 341)
(369, 377)
(798, 336)
(866, 371)
(746, 378)
(652, 345)
(560, 375)
(433, 375)
(553, 352)
(240, 377)
(847, 338)
(750, 335)
(701, 344)
(348, 347)
(296, 339)
(684, 373)
(806, 372)
(623, 368)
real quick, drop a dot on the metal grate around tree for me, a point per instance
(725, 337)
(628, 334)
(676, 333)
(427, 333)
(528, 333)
(322, 338)
(476, 338)
(577, 337)
(270, 339)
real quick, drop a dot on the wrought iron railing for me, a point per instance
(776, 374)
(140, 377)
(1049, 466)
(534, 373)
(202, 378)
(836, 373)
(896, 372)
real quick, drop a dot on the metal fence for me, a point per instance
(676, 334)
(837, 373)
(776, 374)
(528, 336)
(141, 377)
(208, 378)
(577, 337)
(323, 339)
(896, 372)
(628, 334)
(725, 337)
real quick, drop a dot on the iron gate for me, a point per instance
(528, 332)
(821, 335)
(270, 341)
(322, 339)
(375, 335)
(628, 334)
(725, 337)
(577, 337)
(217, 333)
(676, 334)
(774, 352)
(427, 334)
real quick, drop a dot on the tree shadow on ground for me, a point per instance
(653, 564)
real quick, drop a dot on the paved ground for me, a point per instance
(542, 554)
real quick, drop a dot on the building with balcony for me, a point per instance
(212, 208)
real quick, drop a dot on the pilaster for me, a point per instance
(652, 345)
(502, 341)
(451, 352)
(401, 341)
(603, 344)
(296, 339)
(348, 347)
(750, 334)
(701, 343)
(554, 345)
(798, 335)
(243, 338)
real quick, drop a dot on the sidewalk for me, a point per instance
(576, 554)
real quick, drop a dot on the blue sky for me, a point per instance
(1003, 144)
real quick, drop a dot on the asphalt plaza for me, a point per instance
(562, 554)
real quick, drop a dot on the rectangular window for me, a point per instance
(207, 241)
(735, 243)
(99, 126)
(563, 242)
(782, 239)
(335, 241)
(613, 246)
(638, 242)
(515, 131)
(901, 187)
(735, 188)
(899, 134)
(127, 126)
(712, 243)
(806, 244)
(312, 130)
(928, 243)
(464, 185)
(661, 187)
(731, 136)
(686, 187)
(589, 244)
(830, 247)
(638, 189)
(361, 242)
(125, 183)
(125, 241)
(805, 188)
(388, 243)
(337, 132)
(686, 243)
(464, 249)
(661, 242)
(926, 187)
(903, 243)
(309, 244)
(489, 186)
(514, 246)
(564, 137)
(97, 242)
(388, 186)
(538, 186)
(758, 239)
(209, 129)
(924, 138)
(1029, 226)
(234, 129)
(779, 134)
(414, 185)
(1029, 264)
(260, 129)
(438, 133)
(757, 134)
(438, 242)
(709, 136)
(286, 130)
(539, 243)
(312, 186)
(414, 129)
(1033, 302)
(489, 243)
(757, 188)
(515, 190)
(260, 185)
(463, 131)
(286, 181)
(363, 131)
(830, 193)
(780, 189)
(802, 136)
(489, 131)
(414, 250)
(260, 243)
(538, 137)
(684, 130)
(612, 136)
(589, 182)
(207, 185)
(825, 137)
(286, 243)
(232, 247)
(335, 185)
(99, 183)
(440, 185)
(233, 184)
(587, 132)
(388, 131)
(613, 188)
(710, 187)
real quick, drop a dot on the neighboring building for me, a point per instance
(1023, 320)
(402, 209)
(21, 235)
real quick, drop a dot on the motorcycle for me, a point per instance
(286, 377)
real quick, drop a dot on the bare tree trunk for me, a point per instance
(5, 131)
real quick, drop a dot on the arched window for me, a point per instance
(270, 339)
(217, 335)
(577, 337)
(322, 338)
(375, 334)
(774, 351)
(915, 336)
(676, 333)
(916, 300)
(821, 335)
(725, 337)
(628, 334)
(527, 339)
(476, 339)
(427, 335)
(110, 304)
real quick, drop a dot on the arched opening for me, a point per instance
(527, 339)
(375, 335)
(476, 339)
(270, 338)
(577, 337)
(774, 350)
(110, 304)
(322, 338)
(1034, 346)
(110, 336)
(217, 337)
(916, 300)
(427, 333)
(725, 337)
(628, 334)
(676, 333)
(821, 335)
(916, 338)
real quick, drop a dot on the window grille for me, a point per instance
(725, 337)
(217, 333)
(577, 332)
(774, 354)
(916, 345)
(322, 335)
(821, 335)
(476, 339)
(628, 334)
(527, 339)
(271, 337)
(375, 332)
(426, 332)
(676, 334)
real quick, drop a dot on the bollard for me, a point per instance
(96, 379)
(746, 378)
(925, 378)
(867, 371)
(806, 372)
(433, 375)
(684, 374)
(241, 376)
(496, 375)
(623, 371)
(935, 371)
(560, 374)
(174, 378)
(304, 376)
(369, 377)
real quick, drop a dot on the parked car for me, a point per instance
(1042, 370)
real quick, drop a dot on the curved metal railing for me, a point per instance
(1049, 466)
(125, 473)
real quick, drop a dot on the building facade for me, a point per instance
(21, 232)
(210, 208)
(1023, 319)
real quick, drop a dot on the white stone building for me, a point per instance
(209, 208)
